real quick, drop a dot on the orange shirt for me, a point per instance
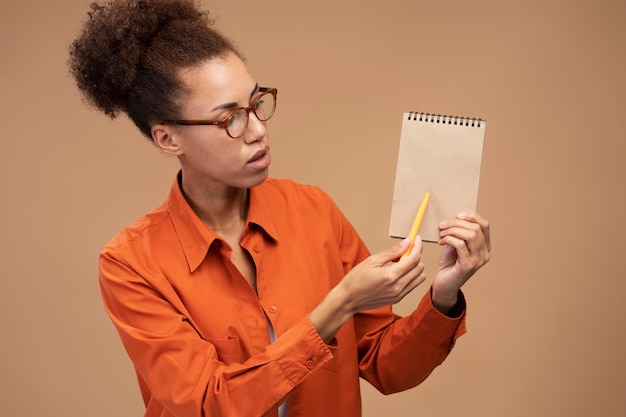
(197, 333)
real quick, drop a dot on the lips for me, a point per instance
(260, 160)
(259, 155)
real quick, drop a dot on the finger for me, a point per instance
(410, 268)
(463, 255)
(484, 224)
(413, 284)
(390, 254)
(416, 250)
(473, 241)
(467, 231)
(468, 259)
(412, 257)
(470, 231)
(408, 282)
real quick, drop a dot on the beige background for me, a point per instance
(546, 316)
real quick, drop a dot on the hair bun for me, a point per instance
(106, 57)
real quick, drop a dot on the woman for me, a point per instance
(243, 295)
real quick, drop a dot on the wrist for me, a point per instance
(331, 313)
(444, 300)
(340, 304)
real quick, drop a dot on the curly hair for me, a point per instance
(129, 53)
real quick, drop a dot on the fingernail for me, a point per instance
(461, 215)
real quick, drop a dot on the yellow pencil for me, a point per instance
(416, 223)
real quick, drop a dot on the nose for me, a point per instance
(256, 129)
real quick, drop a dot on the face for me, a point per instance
(208, 156)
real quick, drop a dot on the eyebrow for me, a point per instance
(232, 105)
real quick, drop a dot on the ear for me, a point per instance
(164, 138)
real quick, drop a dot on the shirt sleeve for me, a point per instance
(182, 369)
(397, 353)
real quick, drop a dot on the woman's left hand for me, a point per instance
(467, 246)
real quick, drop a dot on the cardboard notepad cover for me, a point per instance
(440, 154)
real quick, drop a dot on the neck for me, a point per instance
(220, 207)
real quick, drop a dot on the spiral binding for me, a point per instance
(443, 119)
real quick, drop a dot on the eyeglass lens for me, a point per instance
(263, 108)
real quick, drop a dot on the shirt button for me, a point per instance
(273, 309)
(256, 249)
(310, 364)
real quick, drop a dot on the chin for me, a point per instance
(258, 179)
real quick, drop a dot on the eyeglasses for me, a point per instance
(236, 122)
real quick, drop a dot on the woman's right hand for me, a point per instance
(381, 279)
(377, 281)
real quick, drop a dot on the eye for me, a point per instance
(236, 117)
(264, 106)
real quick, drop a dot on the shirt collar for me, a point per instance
(196, 238)
(259, 212)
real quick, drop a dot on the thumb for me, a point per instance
(392, 253)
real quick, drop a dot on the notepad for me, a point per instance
(443, 155)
